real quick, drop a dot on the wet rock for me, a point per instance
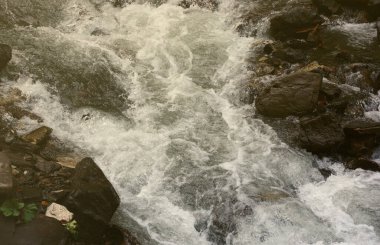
(290, 55)
(373, 9)
(38, 136)
(222, 223)
(92, 199)
(59, 212)
(361, 136)
(209, 4)
(361, 127)
(46, 167)
(18, 113)
(5, 55)
(321, 134)
(6, 180)
(327, 6)
(42, 230)
(295, 94)
(21, 159)
(296, 22)
(272, 196)
(325, 172)
(363, 163)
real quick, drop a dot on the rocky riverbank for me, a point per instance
(56, 195)
(315, 82)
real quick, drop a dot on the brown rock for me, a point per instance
(363, 163)
(38, 136)
(295, 94)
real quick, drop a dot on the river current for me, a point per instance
(161, 89)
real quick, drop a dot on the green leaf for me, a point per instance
(20, 205)
(16, 213)
(7, 212)
(29, 212)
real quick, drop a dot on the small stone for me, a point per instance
(59, 212)
(68, 162)
(38, 136)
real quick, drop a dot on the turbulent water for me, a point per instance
(162, 89)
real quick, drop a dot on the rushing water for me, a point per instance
(162, 86)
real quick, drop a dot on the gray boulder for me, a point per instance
(294, 94)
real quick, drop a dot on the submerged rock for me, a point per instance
(295, 94)
(5, 55)
(92, 199)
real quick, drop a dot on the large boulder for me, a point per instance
(93, 200)
(5, 55)
(295, 22)
(321, 134)
(294, 94)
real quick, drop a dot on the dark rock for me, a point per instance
(268, 48)
(363, 164)
(21, 159)
(30, 194)
(378, 28)
(291, 55)
(321, 134)
(209, 4)
(299, 44)
(361, 127)
(6, 179)
(5, 55)
(295, 22)
(222, 223)
(325, 172)
(47, 166)
(40, 231)
(295, 94)
(18, 113)
(92, 199)
(38, 136)
(373, 9)
(361, 136)
(327, 6)
(354, 3)
(7, 228)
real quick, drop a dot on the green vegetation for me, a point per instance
(14, 208)
(72, 228)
